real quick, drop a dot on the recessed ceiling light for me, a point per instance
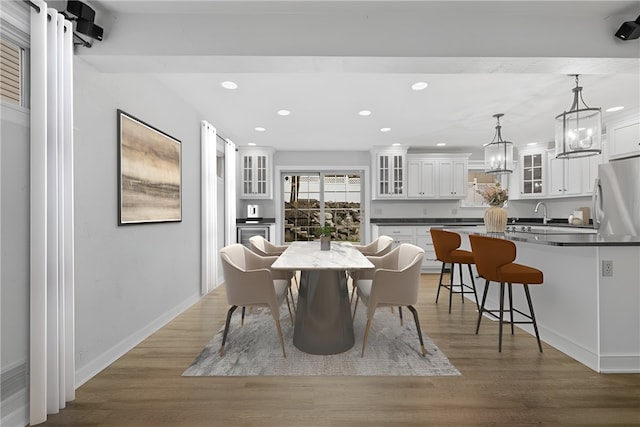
(260, 129)
(396, 144)
(532, 143)
(229, 85)
(252, 144)
(419, 85)
(441, 144)
(284, 112)
(365, 113)
(385, 129)
(612, 109)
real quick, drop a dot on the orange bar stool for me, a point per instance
(494, 261)
(446, 245)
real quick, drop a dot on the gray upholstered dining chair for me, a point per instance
(381, 246)
(395, 282)
(263, 247)
(249, 282)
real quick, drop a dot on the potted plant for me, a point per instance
(324, 232)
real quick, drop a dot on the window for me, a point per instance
(11, 72)
(313, 199)
(477, 182)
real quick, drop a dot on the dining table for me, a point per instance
(323, 323)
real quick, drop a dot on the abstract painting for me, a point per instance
(149, 163)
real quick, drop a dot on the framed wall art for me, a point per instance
(149, 173)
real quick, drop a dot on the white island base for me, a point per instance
(590, 317)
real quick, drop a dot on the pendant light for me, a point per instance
(578, 130)
(498, 154)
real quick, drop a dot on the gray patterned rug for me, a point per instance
(254, 349)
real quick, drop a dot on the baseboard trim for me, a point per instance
(18, 417)
(94, 367)
(620, 364)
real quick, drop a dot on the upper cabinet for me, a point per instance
(623, 137)
(441, 176)
(256, 173)
(421, 179)
(532, 170)
(566, 176)
(389, 167)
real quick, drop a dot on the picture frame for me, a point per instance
(149, 173)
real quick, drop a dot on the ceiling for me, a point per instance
(327, 60)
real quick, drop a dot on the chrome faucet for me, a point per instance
(544, 217)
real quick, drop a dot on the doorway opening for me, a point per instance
(313, 199)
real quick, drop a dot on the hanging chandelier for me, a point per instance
(498, 154)
(578, 130)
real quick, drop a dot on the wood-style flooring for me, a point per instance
(519, 386)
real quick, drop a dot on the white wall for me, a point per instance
(131, 279)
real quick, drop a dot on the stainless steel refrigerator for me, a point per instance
(616, 198)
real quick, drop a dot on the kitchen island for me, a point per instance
(583, 309)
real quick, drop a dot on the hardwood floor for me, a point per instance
(519, 386)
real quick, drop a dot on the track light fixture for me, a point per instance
(629, 30)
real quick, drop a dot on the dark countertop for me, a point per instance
(255, 221)
(555, 239)
(560, 222)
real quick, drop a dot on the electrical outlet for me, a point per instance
(424, 211)
(454, 211)
(607, 268)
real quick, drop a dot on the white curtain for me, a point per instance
(230, 192)
(52, 364)
(208, 201)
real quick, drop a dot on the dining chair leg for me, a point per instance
(293, 301)
(355, 307)
(501, 320)
(511, 306)
(244, 309)
(289, 307)
(400, 313)
(366, 335)
(415, 318)
(473, 285)
(484, 299)
(226, 327)
(440, 282)
(284, 354)
(533, 316)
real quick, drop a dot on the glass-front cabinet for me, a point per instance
(256, 173)
(389, 166)
(532, 173)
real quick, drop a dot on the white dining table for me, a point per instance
(323, 315)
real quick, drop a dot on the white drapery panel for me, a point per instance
(52, 361)
(230, 192)
(209, 196)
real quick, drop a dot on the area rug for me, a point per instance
(254, 349)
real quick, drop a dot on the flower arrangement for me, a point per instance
(495, 195)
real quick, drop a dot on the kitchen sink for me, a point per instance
(537, 229)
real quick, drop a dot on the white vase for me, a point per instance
(495, 219)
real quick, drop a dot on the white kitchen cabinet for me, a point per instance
(416, 235)
(452, 176)
(441, 176)
(423, 240)
(421, 178)
(256, 173)
(623, 137)
(389, 167)
(566, 177)
(532, 172)
(399, 234)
